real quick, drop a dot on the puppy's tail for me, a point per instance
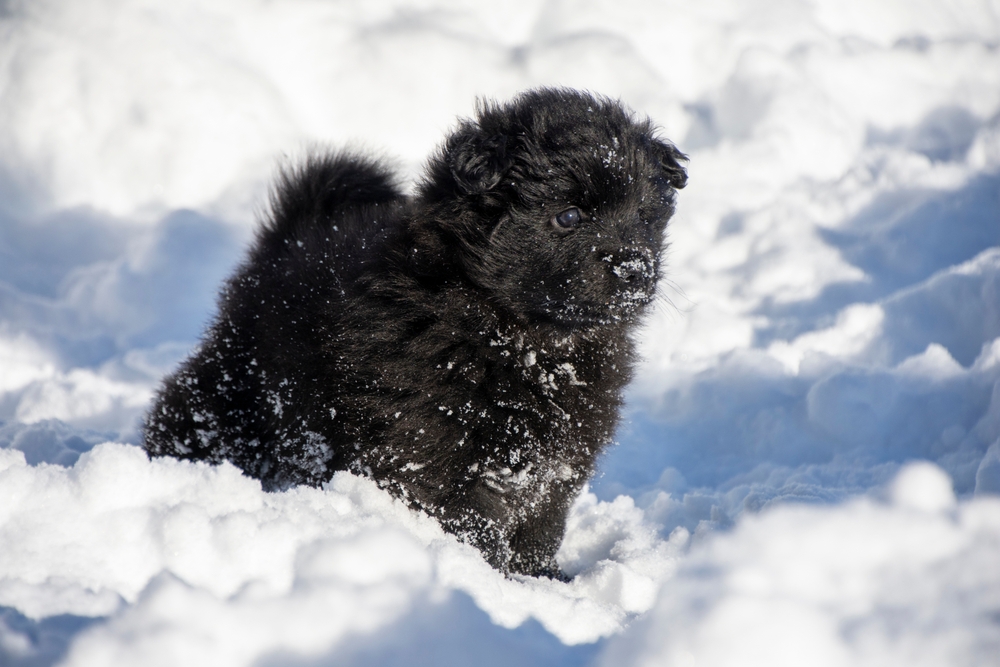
(323, 187)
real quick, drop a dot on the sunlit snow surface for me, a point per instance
(809, 469)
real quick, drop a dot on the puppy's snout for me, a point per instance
(633, 267)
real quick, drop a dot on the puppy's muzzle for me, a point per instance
(634, 267)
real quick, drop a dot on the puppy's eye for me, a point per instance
(567, 219)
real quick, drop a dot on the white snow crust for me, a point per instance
(808, 471)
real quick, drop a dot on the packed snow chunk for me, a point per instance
(864, 583)
(615, 554)
(114, 520)
(923, 486)
(595, 529)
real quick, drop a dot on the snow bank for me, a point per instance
(831, 315)
(193, 564)
(199, 564)
(910, 581)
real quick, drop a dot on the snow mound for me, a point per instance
(911, 581)
(198, 561)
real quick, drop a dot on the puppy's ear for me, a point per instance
(670, 162)
(477, 161)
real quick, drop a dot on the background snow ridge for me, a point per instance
(809, 468)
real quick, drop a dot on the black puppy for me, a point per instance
(465, 347)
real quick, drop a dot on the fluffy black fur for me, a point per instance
(465, 347)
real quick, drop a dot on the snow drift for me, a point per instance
(810, 464)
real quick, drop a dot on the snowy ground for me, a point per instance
(810, 467)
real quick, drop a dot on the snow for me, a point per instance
(910, 581)
(809, 466)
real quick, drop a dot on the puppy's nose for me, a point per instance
(634, 267)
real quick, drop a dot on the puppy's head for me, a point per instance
(555, 204)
